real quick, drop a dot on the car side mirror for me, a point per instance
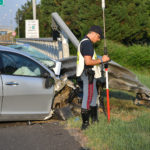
(49, 81)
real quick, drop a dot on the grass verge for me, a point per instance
(143, 76)
(129, 128)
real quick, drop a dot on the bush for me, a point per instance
(135, 56)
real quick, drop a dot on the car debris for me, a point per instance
(67, 101)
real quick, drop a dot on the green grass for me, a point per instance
(129, 128)
(143, 76)
(119, 134)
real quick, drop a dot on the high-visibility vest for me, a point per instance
(81, 64)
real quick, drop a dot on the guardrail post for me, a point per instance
(65, 45)
(60, 53)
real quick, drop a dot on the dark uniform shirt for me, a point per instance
(87, 49)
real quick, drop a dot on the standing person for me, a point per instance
(88, 69)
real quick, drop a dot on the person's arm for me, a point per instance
(91, 62)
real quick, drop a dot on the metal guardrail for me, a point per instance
(68, 66)
(47, 46)
(36, 39)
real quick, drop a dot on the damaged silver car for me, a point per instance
(26, 86)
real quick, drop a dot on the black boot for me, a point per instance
(85, 118)
(94, 114)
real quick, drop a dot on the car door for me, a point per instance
(1, 91)
(24, 87)
(1, 94)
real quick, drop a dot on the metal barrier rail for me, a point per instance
(47, 46)
(68, 66)
(36, 39)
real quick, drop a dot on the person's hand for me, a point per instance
(100, 57)
(105, 58)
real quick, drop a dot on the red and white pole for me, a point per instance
(106, 65)
(107, 94)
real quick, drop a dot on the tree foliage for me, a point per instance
(126, 21)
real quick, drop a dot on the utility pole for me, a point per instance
(18, 25)
(34, 9)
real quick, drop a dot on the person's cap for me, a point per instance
(97, 29)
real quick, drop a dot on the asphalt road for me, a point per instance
(45, 136)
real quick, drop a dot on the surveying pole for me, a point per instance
(106, 64)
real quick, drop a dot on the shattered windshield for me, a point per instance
(45, 60)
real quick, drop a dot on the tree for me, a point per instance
(126, 21)
(47, 7)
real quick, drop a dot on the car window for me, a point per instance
(44, 59)
(15, 64)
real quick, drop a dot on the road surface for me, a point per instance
(38, 136)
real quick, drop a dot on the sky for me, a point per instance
(8, 12)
